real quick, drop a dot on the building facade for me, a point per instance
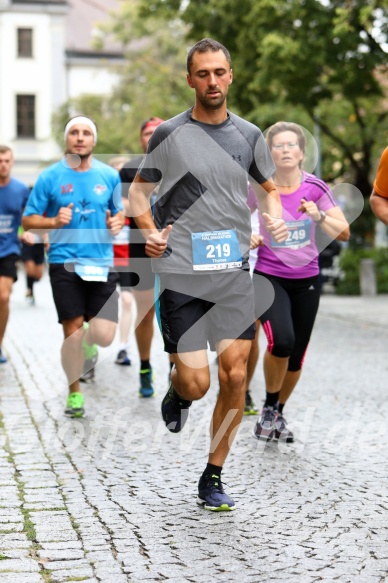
(47, 57)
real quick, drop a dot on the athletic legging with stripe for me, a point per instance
(288, 323)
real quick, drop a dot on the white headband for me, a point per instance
(80, 119)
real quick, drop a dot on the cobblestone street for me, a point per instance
(111, 498)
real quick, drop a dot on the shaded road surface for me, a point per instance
(111, 498)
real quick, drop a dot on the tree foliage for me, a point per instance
(152, 80)
(321, 61)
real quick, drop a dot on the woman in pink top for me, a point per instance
(292, 269)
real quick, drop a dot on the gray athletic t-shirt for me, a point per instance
(203, 171)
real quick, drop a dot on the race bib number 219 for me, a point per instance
(215, 250)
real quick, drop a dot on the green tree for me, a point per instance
(323, 61)
(152, 80)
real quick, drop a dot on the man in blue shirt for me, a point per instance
(78, 201)
(13, 198)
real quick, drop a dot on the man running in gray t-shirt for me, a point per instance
(199, 240)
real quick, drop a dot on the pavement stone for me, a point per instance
(111, 497)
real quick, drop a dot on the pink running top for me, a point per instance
(297, 257)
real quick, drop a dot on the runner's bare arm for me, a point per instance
(271, 209)
(379, 206)
(268, 197)
(33, 222)
(139, 195)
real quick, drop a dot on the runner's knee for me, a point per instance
(282, 347)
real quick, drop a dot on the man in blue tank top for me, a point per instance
(13, 198)
(78, 202)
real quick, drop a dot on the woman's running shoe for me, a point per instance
(266, 426)
(282, 433)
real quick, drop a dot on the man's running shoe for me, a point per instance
(75, 405)
(123, 358)
(91, 356)
(282, 433)
(146, 389)
(211, 494)
(266, 426)
(250, 408)
(175, 410)
(3, 358)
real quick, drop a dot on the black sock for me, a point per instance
(281, 407)
(271, 399)
(213, 470)
(145, 365)
(30, 282)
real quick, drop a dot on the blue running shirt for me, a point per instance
(86, 239)
(13, 198)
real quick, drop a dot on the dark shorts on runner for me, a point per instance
(202, 308)
(125, 278)
(33, 253)
(75, 297)
(8, 266)
(138, 274)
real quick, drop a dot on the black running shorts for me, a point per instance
(75, 297)
(138, 273)
(33, 253)
(205, 308)
(8, 266)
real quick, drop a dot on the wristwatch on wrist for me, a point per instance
(323, 217)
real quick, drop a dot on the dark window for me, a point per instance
(24, 42)
(25, 116)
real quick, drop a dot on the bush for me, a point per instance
(349, 262)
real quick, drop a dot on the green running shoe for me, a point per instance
(250, 408)
(90, 350)
(75, 405)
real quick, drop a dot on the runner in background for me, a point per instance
(33, 258)
(13, 198)
(379, 196)
(292, 269)
(78, 201)
(140, 279)
(121, 263)
(256, 239)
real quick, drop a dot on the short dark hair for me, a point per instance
(205, 45)
(4, 149)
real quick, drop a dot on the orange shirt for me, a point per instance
(380, 184)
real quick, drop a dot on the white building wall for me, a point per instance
(49, 75)
(97, 78)
(43, 75)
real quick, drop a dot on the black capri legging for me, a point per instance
(289, 321)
